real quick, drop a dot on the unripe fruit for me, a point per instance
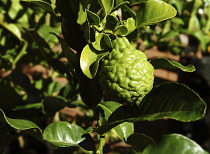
(126, 76)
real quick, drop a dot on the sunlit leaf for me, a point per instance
(164, 63)
(107, 5)
(174, 144)
(64, 134)
(82, 15)
(89, 61)
(154, 11)
(168, 100)
(20, 124)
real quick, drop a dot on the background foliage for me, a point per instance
(44, 93)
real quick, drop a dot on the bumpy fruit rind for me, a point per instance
(126, 76)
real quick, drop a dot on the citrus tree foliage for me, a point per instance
(192, 24)
(95, 55)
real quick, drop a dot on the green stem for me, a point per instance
(101, 141)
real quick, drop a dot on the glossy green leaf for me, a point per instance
(164, 63)
(64, 134)
(103, 42)
(139, 141)
(121, 30)
(20, 124)
(154, 11)
(93, 18)
(82, 15)
(107, 5)
(174, 144)
(168, 100)
(106, 108)
(125, 129)
(44, 5)
(89, 61)
(126, 27)
(111, 22)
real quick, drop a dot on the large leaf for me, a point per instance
(174, 144)
(20, 124)
(165, 63)
(107, 5)
(125, 129)
(89, 61)
(154, 11)
(64, 134)
(168, 100)
(44, 5)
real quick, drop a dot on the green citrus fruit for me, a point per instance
(126, 76)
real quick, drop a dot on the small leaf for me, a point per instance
(126, 27)
(20, 124)
(121, 30)
(106, 108)
(106, 5)
(154, 11)
(44, 5)
(103, 42)
(82, 15)
(64, 134)
(89, 61)
(111, 22)
(174, 144)
(139, 141)
(165, 63)
(125, 129)
(93, 18)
